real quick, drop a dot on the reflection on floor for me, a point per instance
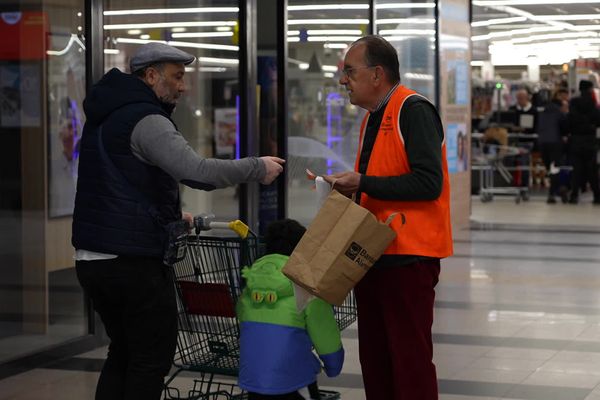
(517, 314)
(66, 317)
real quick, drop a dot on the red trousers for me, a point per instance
(395, 315)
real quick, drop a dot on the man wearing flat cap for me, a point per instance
(132, 160)
(584, 119)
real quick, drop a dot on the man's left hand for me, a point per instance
(347, 183)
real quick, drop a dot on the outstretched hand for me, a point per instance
(274, 167)
(347, 183)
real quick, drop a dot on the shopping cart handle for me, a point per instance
(206, 222)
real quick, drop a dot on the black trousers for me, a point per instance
(585, 169)
(135, 298)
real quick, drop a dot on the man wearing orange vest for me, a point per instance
(401, 166)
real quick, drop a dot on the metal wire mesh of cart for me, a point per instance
(208, 285)
(345, 315)
(206, 388)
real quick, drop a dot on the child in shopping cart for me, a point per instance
(276, 358)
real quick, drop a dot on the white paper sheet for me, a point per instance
(323, 189)
(303, 297)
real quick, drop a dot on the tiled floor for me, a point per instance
(517, 314)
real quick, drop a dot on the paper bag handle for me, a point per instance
(332, 184)
(392, 216)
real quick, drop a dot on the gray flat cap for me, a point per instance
(154, 52)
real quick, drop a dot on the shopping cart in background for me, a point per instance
(208, 284)
(496, 160)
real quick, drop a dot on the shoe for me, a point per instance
(573, 200)
(551, 200)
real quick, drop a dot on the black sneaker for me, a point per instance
(551, 200)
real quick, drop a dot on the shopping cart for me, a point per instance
(493, 159)
(208, 284)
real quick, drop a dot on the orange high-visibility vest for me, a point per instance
(427, 231)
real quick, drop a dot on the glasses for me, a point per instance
(347, 72)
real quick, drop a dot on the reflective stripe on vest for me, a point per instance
(427, 231)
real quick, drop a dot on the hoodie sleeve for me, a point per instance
(325, 336)
(155, 141)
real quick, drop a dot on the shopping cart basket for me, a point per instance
(494, 158)
(208, 284)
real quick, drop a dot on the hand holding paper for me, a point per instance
(347, 183)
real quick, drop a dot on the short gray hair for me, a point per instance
(379, 51)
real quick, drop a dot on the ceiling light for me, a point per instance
(328, 74)
(212, 69)
(530, 16)
(73, 39)
(293, 33)
(405, 21)
(145, 36)
(498, 21)
(352, 21)
(211, 46)
(334, 32)
(223, 28)
(111, 51)
(421, 77)
(179, 29)
(403, 5)
(318, 7)
(395, 38)
(134, 32)
(562, 35)
(335, 45)
(549, 52)
(169, 24)
(329, 68)
(194, 10)
(202, 34)
(214, 60)
(514, 32)
(332, 38)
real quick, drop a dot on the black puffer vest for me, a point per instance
(108, 218)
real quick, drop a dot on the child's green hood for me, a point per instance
(265, 281)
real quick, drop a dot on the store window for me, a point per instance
(410, 27)
(42, 86)
(207, 115)
(323, 126)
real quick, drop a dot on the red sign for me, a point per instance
(24, 35)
